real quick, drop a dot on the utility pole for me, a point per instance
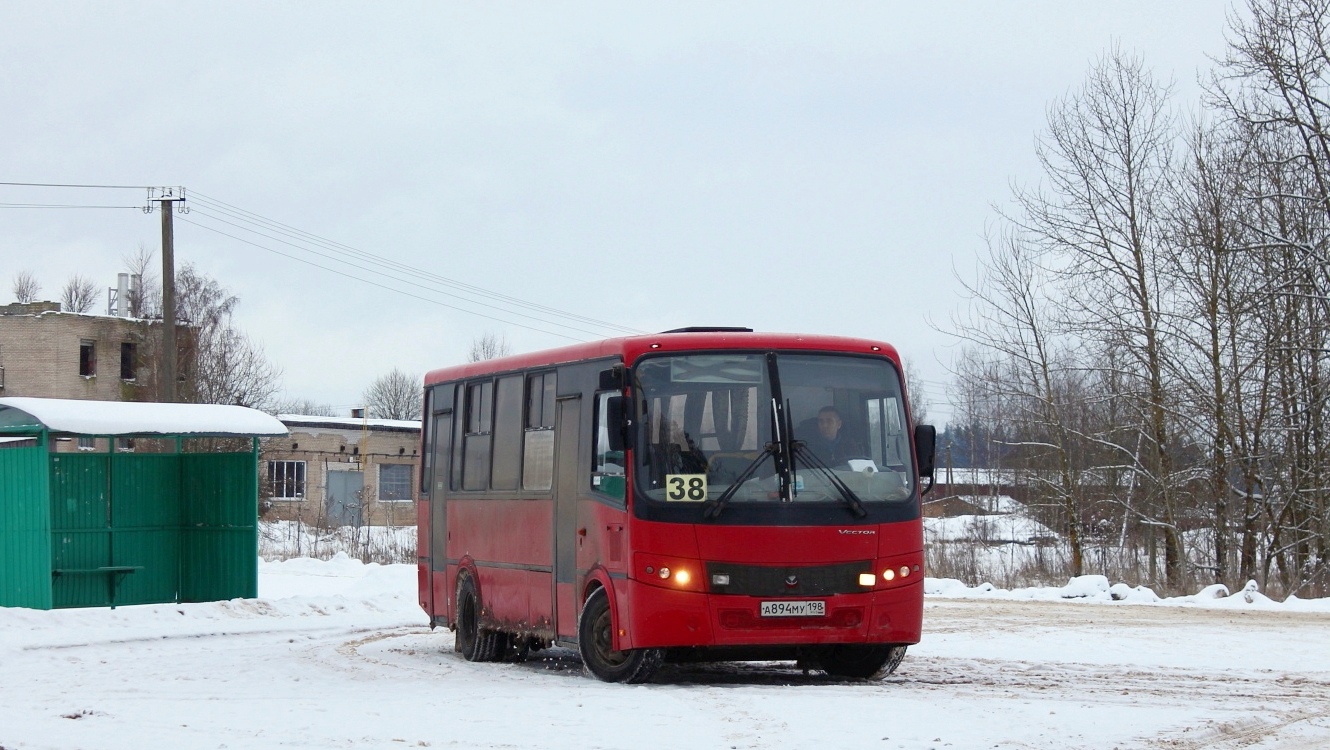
(166, 363)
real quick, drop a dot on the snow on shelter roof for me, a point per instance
(354, 423)
(78, 417)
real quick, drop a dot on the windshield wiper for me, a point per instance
(851, 499)
(713, 508)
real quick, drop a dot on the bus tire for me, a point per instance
(867, 662)
(594, 636)
(473, 642)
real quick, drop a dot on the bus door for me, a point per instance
(440, 593)
(566, 489)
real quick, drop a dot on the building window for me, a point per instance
(124, 445)
(126, 361)
(87, 444)
(394, 482)
(87, 358)
(286, 479)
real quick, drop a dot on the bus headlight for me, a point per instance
(867, 579)
(678, 573)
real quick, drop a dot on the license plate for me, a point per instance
(793, 609)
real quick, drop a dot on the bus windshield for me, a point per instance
(771, 427)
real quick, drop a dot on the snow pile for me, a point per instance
(341, 593)
(1095, 588)
(1004, 528)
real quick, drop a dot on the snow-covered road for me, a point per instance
(335, 655)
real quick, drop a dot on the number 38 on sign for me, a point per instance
(688, 488)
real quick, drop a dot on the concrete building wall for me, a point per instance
(325, 450)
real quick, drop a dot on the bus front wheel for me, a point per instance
(595, 637)
(862, 662)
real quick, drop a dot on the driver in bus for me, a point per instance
(829, 442)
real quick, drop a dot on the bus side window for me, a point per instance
(507, 434)
(439, 437)
(607, 475)
(426, 479)
(476, 440)
(538, 438)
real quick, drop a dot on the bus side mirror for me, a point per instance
(612, 379)
(925, 445)
(617, 424)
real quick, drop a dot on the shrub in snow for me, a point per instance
(1213, 591)
(1251, 593)
(1084, 587)
(1121, 592)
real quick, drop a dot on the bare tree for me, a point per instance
(488, 346)
(1107, 155)
(915, 392)
(145, 293)
(302, 406)
(218, 362)
(395, 395)
(1274, 84)
(232, 369)
(1151, 339)
(79, 295)
(1011, 304)
(26, 287)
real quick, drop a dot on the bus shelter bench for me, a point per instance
(113, 573)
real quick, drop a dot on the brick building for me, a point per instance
(335, 471)
(53, 354)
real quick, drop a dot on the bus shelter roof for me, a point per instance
(24, 415)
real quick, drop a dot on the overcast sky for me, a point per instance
(788, 167)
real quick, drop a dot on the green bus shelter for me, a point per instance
(108, 503)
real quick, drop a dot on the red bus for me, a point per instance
(699, 494)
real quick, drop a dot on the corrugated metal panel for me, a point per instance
(185, 523)
(25, 528)
(218, 564)
(157, 552)
(145, 521)
(80, 528)
(219, 544)
(145, 490)
(78, 491)
(79, 551)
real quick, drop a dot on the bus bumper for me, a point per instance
(659, 617)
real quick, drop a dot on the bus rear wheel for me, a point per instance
(595, 637)
(867, 662)
(473, 642)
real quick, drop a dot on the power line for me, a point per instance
(373, 283)
(370, 263)
(63, 185)
(382, 273)
(60, 205)
(342, 249)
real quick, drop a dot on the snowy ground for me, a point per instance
(335, 654)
